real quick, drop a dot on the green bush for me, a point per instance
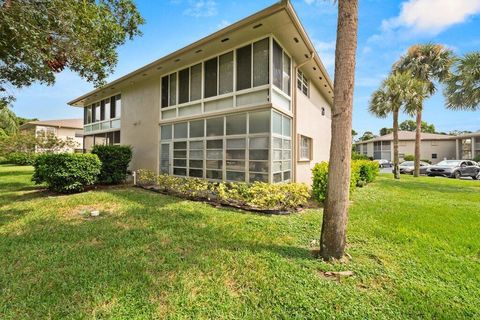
(258, 195)
(66, 172)
(368, 170)
(3, 160)
(477, 158)
(409, 157)
(21, 158)
(359, 156)
(115, 160)
(362, 172)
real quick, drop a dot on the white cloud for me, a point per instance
(431, 16)
(201, 8)
(224, 23)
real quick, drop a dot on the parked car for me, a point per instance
(408, 167)
(455, 169)
(383, 163)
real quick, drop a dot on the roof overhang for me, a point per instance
(279, 19)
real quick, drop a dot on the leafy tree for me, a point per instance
(367, 135)
(27, 141)
(8, 120)
(410, 125)
(41, 38)
(427, 63)
(385, 131)
(395, 93)
(335, 213)
(463, 85)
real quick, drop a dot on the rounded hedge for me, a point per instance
(115, 160)
(66, 172)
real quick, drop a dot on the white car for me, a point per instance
(382, 163)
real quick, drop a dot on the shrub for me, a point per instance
(66, 172)
(477, 158)
(359, 156)
(115, 160)
(368, 170)
(258, 195)
(21, 158)
(362, 172)
(409, 157)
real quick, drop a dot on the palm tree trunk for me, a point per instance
(335, 213)
(418, 132)
(396, 169)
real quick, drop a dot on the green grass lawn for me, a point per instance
(414, 243)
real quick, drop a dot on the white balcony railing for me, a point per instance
(101, 126)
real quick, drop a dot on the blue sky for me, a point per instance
(386, 30)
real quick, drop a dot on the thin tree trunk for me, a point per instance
(396, 169)
(335, 213)
(418, 132)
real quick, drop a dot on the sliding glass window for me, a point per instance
(281, 68)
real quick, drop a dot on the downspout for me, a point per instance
(294, 105)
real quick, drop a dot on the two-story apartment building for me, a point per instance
(434, 147)
(66, 129)
(467, 146)
(251, 102)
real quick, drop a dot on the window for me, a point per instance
(97, 112)
(118, 106)
(215, 127)
(165, 91)
(102, 110)
(225, 73)
(434, 156)
(166, 132)
(303, 84)
(196, 82)
(183, 85)
(173, 89)
(107, 111)
(244, 67)
(237, 124)
(180, 130)
(197, 129)
(305, 149)
(89, 115)
(281, 68)
(260, 62)
(211, 78)
(259, 122)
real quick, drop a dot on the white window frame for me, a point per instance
(304, 83)
(302, 148)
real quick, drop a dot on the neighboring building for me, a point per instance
(434, 147)
(62, 129)
(251, 102)
(467, 146)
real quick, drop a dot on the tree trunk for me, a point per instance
(396, 169)
(418, 132)
(335, 213)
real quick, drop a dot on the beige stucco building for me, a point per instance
(434, 147)
(65, 129)
(251, 102)
(467, 146)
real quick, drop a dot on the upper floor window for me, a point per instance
(251, 63)
(106, 109)
(281, 68)
(303, 84)
(46, 131)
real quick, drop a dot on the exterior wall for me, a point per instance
(64, 133)
(311, 123)
(445, 149)
(139, 123)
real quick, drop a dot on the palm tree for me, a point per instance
(463, 86)
(399, 90)
(428, 63)
(335, 213)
